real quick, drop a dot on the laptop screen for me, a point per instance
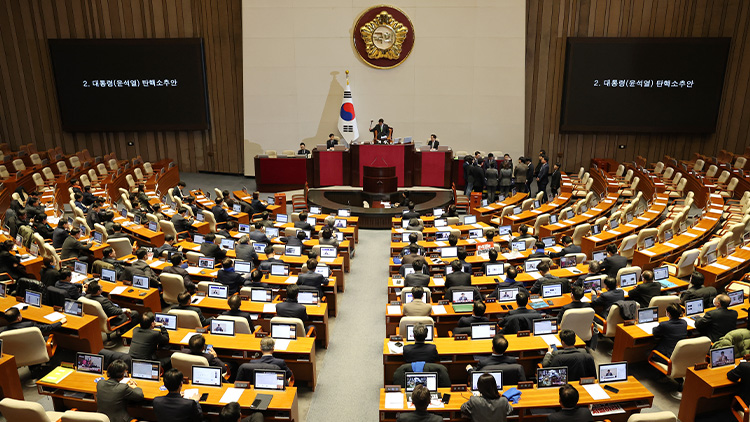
(629, 279)
(87, 362)
(145, 370)
(209, 376)
(323, 270)
(504, 230)
(470, 219)
(200, 217)
(328, 252)
(598, 255)
(427, 379)
(518, 245)
(531, 264)
(462, 296)
(340, 223)
(97, 237)
(553, 219)
(442, 236)
(243, 228)
(437, 212)
(661, 273)
(242, 267)
(548, 241)
(507, 294)
(272, 232)
(595, 229)
(218, 292)
(340, 236)
(570, 214)
(449, 252)
(279, 269)
(693, 306)
(153, 226)
(410, 332)
(408, 269)
(441, 222)
(259, 247)
(722, 357)
(204, 262)
(710, 257)
(267, 379)
(648, 315)
(282, 218)
(668, 234)
(293, 250)
(2, 290)
(140, 281)
(261, 295)
(33, 299)
(551, 290)
(648, 242)
(109, 275)
(312, 221)
(73, 307)
(494, 269)
(551, 377)
(307, 298)
(316, 210)
(344, 212)
(567, 261)
(614, 223)
(80, 267)
(517, 210)
(613, 372)
(482, 330)
(236, 208)
(137, 219)
(284, 331)
(476, 233)
(222, 327)
(497, 374)
(408, 297)
(199, 239)
(169, 321)
(736, 297)
(545, 326)
(227, 244)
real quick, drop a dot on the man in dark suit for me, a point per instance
(15, 321)
(417, 278)
(716, 323)
(331, 142)
(477, 316)
(174, 407)
(257, 205)
(297, 240)
(290, 308)
(420, 398)
(412, 256)
(259, 234)
(568, 247)
(523, 233)
(613, 262)
(468, 178)
(570, 411)
(220, 214)
(209, 248)
(265, 266)
(608, 298)
(510, 281)
(113, 397)
(477, 174)
(197, 345)
(74, 248)
(411, 213)
(266, 348)
(93, 216)
(303, 149)
(94, 292)
(382, 132)
(176, 268)
(538, 251)
(228, 277)
(542, 177)
(141, 268)
(669, 333)
(579, 362)
(177, 190)
(244, 251)
(311, 278)
(413, 239)
(741, 374)
(457, 277)
(420, 351)
(521, 318)
(72, 291)
(696, 290)
(60, 233)
(555, 179)
(116, 232)
(181, 223)
(302, 224)
(146, 340)
(511, 373)
(576, 294)
(644, 292)
(547, 279)
(183, 303)
(433, 143)
(168, 246)
(234, 302)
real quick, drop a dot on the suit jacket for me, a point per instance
(717, 323)
(245, 252)
(289, 309)
(210, 249)
(417, 416)
(175, 408)
(330, 143)
(741, 373)
(642, 293)
(146, 341)
(477, 174)
(420, 352)
(257, 206)
(578, 414)
(706, 293)
(45, 230)
(112, 399)
(72, 291)
(241, 314)
(670, 331)
(109, 308)
(58, 237)
(381, 130)
(197, 310)
(607, 299)
(165, 247)
(543, 174)
(177, 193)
(556, 177)
(471, 319)
(519, 172)
(313, 280)
(231, 279)
(179, 271)
(566, 250)
(417, 307)
(409, 215)
(141, 268)
(220, 214)
(44, 328)
(492, 177)
(571, 305)
(433, 144)
(73, 248)
(259, 236)
(457, 279)
(409, 259)
(612, 264)
(497, 360)
(180, 223)
(518, 320)
(580, 364)
(416, 279)
(274, 361)
(303, 225)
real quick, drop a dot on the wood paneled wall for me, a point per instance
(550, 22)
(28, 103)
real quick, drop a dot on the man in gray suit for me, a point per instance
(112, 397)
(417, 307)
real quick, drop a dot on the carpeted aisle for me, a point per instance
(352, 373)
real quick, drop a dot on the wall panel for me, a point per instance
(550, 22)
(28, 103)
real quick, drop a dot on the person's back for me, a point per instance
(489, 405)
(420, 398)
(290, 308)
(670, 332)
(570, 411)
(717, 322)
(113, 397)
(644, 292)
(173, 407)
(420, 351)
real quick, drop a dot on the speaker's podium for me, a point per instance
(379, 181)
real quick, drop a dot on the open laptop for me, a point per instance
(243, 228)
(281, 270)
(427, 379)
(140, 282)
(199, 239)
(483, 330)
(598, 255)
(507, 294)
(595, 229)
(693, 307)
(661, 273)
(567, 261)
(437, 212)
(504, 230)
(648, 242)
(517, 210)
(323, 270)
(293, 250)
(551, 377)
(494, 269)
(261, 295)
(441, 222)
(497, 374)
(442, 236)
(2, 290)
(462, 300)
(668, 235)
(243, 267)
(33, 299)
(476, 233)
(259, 247)
(518, 245)
(222, 327)
(282, 218)
(548, 241)
(218, 292)
(227, 244)
(145, 370)
(89, 362)
(169, 321)
(410, 332)
(328, 252)
(614, 223)
(271, 233)
(284, 331)
(550, 291)
(544, 326)
(207, 263)
(553, 219)
(339, 223)
(470, 219)
(98, 237)
(268, 379)
(629, 279)
(531, 264)
(308, 297)
(710, 257)
(344, 212)
(73, 307)
(208, 376)
(722, 357)
(736, 297)
(613, 372)
(646, 315)
(449, 252)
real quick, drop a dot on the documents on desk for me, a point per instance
(281, 344)
(291, 280)
(439, 281)
(187, 337)
(54, 316)
(670, 245)
(736, 259)
(648, 327)
(232, 394)
(117, 290)
(157, 263)
(395, 349)
(690, 321)
(393, 309)
(550, 339)
(439, 310)
(719, 266)
(394, 400)
(596, 391)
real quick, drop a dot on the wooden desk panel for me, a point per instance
(706, 390)
(10, 383)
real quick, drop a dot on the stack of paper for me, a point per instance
(438, 310)
(394, 400)
(281, 344)
(596, 391)
(648, 327)
(117, 290)
(231, 394)
(393, 310)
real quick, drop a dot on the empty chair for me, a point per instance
(662, 230)
(739, 164)
(706, 249)
(4, 172)
(580, 232)
(698, 165)
(112, 163)
(665, 416)
(723, 177)
(686, 353)
(27, 411)
(668, 172)
(131, 182)
(186, 318)
(101, 169)
(630, 191)
(712, 170)
(168, 228)
(685, 265)
(659, 168)
(645, 234)
(541, 220)
(172, 286)
(61, 167)
(148, 169)
(627, 246)
(608, 327)
(620, 170)
(241, 326)
(580, 321)
(138, 174)
(28, 346)
(662, 302)
(678, 191)
(35, 159)
(729, 191)
(184, 362)
(209, 218)
(78, 416)
(19, 165)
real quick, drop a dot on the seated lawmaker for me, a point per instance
(606, 299)
(114, 396)
(644, 292)
(72, 291)
(267, 345)
(417, 307)
(234, 302)
(302, 224)
(570, 411)
(418, 277)
(457, 278)
(492, 254)
(178, 268)
(209, 248)
(696, 290)
(174, 406)
(477, 316)
(146, 340)
(311, 278)
(265, 266)
(511, 374)
(576, 294)
(183, 303)
(411, 213)
(538, 251)
(548, 279)
(413, 255)
(592, 274)
(568, 248)
(579, 362)
(420, 398)
(613, 262)
(197, 345)
(741, 374)
(412, 241)
(220, 214)
(94, 292)
(523, 232)
(669, 333)
(303, 149)
(228, 277)
(327, 238)
(15, 321)
(521, 318)
(420, 351)
(290, 308)
(716, 323)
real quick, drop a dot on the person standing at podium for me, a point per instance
(382, 133)
(433, 143)
(331, 142)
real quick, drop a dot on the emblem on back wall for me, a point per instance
(383, 36)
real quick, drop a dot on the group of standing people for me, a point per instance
(502, 176)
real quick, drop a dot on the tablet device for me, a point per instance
(497, 374)
(570, 214)
(98, 237)
(494, 269)
(261, 295)
(268, 379)
(140, 282)
(668, 234)
(169, 321)
(284, 331)
(217, 292)
(648, 242)
(629, 279)
(462, 296)
(613, 372)
(340, 223)
(293, 250)
(145, 370)
(137, 219)
(483, 330)
(89, 362)
(646, 315)
(243, 267)
(614, 223)
(517, 210)
(722, 357)
(33, 298)
(208, 376)
(72, 307)
(280, 270)
(507, 294)
(545, 326)
(537, 204)
(550, 291)
(222, 327)
(551, 377)
(410, 332)
(204, 262)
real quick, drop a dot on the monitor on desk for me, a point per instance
(137, 219)
(568, 262)
(284, 331)
(517, 210)
(441, 236)
(449, 252)
(323, 270)
(308, 234)
(551, 377)
(280, 270)
(537, 204)
(408, 297)
(199, 239)
(270, 200)
(427, 379)
(462, 296)
(34, 249)
(153, 226)
(518, 245)
(344, 212)
(736, 297)
(470, 219)
(647, 315)
(550, 291)
(476, 233)
(497, 374)
(169, 321)
(549, 241)
(98, 237)
(200, 217)
(328, 252)
(227, 244)
(268, 379)
(531, 264)
(140, 282)
(282, 218)
(504, 230)
(259, 247)
(243, 228)
(145, 370)
(598, 255)
(661, 273)
(507, 294)
(222, 327)
(272, 233)
(629, 279)
(553, 219)
(340, 223)
(582, 209)
(2, 290)
(483, 330)
(306, 297)
(722, 357)
(316, 210)
(312, 221)
(123, 213)
(595, 229)
(217, 291)
(693, 307)
(408, 269)
(441, 222)
(544, 326)
(89, 362)
(437, 212)
(243, 267)
(261, 295)
(410, 332)
(613, 372)
(494, 269)
(33, 298)
(72, 307)
(570, 214)
(668, 234)
(207, 263)
(236, 208)
(80, 267)
(730, 247)
(648, 242)
(710, 258)
(293, 250)
(340, 236)
(208, 376)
